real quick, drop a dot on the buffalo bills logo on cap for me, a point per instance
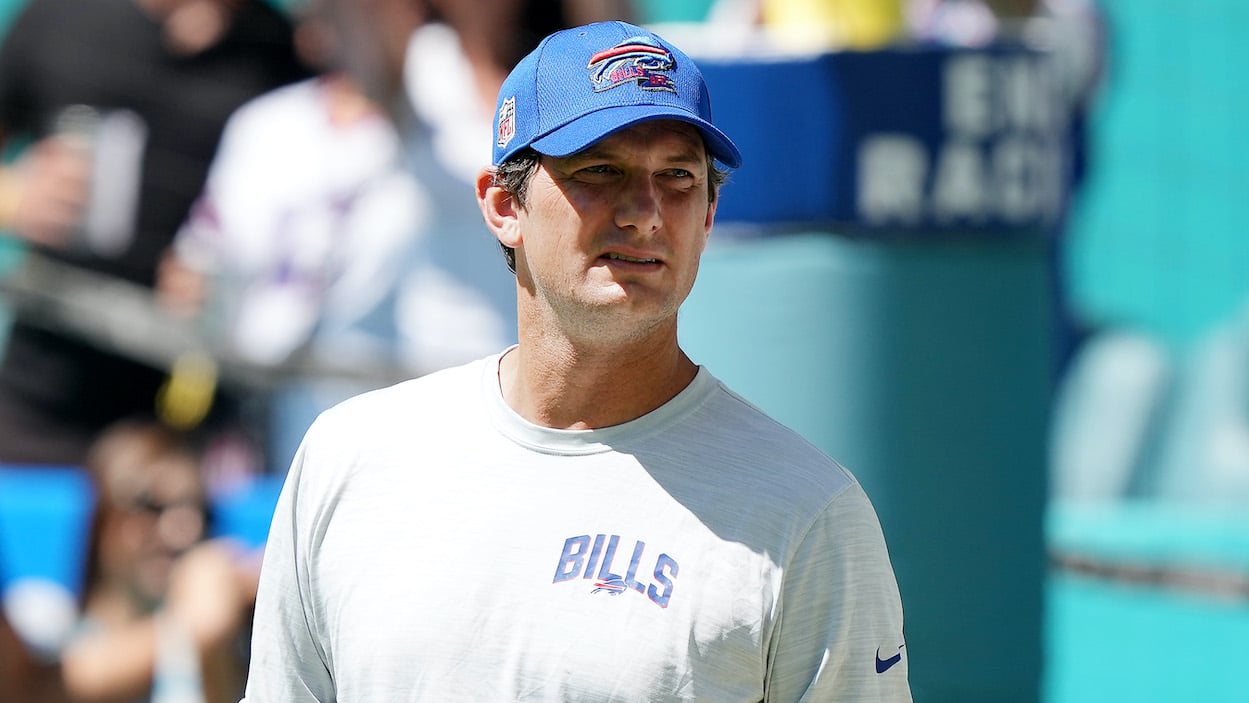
(506, 128)
(635, 60)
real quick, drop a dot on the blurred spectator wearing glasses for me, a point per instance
(165, 611)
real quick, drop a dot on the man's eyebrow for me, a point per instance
(685, 155)
(590, 153)
(688, 156)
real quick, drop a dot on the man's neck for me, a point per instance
(557, 384)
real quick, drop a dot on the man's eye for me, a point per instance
(597, 174)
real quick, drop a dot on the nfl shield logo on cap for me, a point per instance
(507, 123)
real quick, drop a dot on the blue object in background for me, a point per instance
(45, 517)
(929, 141)
(45, 521)
(245, 512)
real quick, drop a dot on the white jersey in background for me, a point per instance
(302, 225)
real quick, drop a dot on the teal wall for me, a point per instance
(7, 9)
(651, 11)
(1157, 237)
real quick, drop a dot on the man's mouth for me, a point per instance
(631, 259)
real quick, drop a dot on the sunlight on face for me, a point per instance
(612, 236)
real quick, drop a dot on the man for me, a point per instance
(587, 516)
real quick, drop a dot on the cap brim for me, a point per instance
(589, 128)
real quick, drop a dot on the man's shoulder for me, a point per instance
(756, 472)
(750, 438)
(733, 413)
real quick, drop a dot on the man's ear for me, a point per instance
(710, 219)
(499, 209)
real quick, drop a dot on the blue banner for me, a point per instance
(911, 140)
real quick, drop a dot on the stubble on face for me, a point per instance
(613, 234)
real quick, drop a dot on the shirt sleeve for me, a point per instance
(839, 635)
(289, 662)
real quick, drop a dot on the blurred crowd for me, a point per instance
(294, 183)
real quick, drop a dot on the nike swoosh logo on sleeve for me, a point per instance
(883, 665)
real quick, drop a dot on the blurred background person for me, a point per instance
(165, 611)
(305, 193)
(119, 104)
(454, 300)
(304, 219)
(336, 231)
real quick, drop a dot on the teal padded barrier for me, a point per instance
(1160, 636)
(657, 11)
(1114, 642)
(924, 367)
(11, 253)
(1152, 532)
(1157, 237)
(9, 8)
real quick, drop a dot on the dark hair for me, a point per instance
(514, 174)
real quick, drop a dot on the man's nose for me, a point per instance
(638, 205)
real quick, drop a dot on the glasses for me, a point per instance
(149, 505)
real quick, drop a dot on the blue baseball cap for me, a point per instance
(582, 84)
